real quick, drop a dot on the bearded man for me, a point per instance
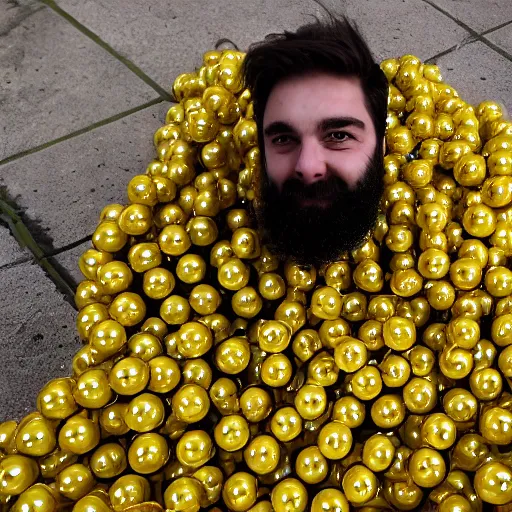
(320, 104)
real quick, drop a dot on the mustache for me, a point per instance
(295, 189)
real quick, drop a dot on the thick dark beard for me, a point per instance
(316, 235)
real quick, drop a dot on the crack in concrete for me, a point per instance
(87, 129)
(165, 95)
(477, 36)
(19, 230)
(24, 13)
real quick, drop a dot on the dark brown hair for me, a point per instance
(333, 46)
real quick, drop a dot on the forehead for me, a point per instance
(305, 100)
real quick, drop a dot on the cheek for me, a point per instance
(278, 166)
(350, 165)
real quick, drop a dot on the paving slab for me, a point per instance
(37, 338)
(10, 251)
(63, 188)
(502, 38)
(479, 15)
(165, 39)
(54, 80)
(66, 262)
(478, 73)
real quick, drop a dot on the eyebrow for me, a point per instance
(340, 122)
(278, 127)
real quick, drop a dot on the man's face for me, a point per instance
(323, 180)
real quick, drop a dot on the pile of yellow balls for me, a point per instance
(215, 377)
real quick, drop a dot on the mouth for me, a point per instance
(317, 202)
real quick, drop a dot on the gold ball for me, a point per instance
(190, 403)
(350, 355)
(289, 495)
(79, 435)
(495, 423)
(350, 411)
(184, 493)
(109, 237)
(326, 303)
(246, 302)
(486, 384)
(240, 491)
(17, 473)
(129, 376)
(112, 419)
(144, 345)
(92, 502)
(420, 395)
(359, 484)
(334, 440)
(145, 412)
(92, 389)
(330, 500)
(197, 371)
(148, 453)
(88, 317)
(286, 424)
(115, 277)
(422, 360)
(466, 273)
(262, 454)
(75, 481)
(388, 411)
(439, 431)
(366, 383)
(202, 231)
(271, 286)
(399, 333)
(395, 371)
(427, 468)
(223, 394)
(194, 340)
(233, 274)
(135, 219)
(256, 404)
(108, 460)
(310, 401)
(378, 452)
(191, 268)
(455, 502)
(460, 405)
(37, 498)
(55, 400)
(129, 490)
(232, 355)
(158, 283)
(479, 220)
(128, 309)
(194, 448)
(276, 370)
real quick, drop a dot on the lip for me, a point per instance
(319, 202)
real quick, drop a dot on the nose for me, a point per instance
(310, 166)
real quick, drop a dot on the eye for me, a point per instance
(282, 140)
(338, 136)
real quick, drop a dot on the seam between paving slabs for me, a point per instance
(467, 40)
(23, 236)
(128, 63)
(477, 37)
(87, 129)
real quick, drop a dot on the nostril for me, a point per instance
(299, 174)
(318, 175)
